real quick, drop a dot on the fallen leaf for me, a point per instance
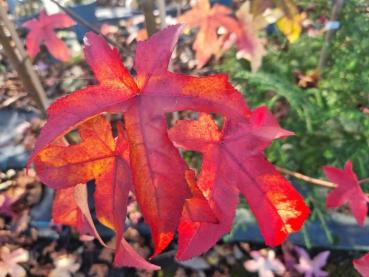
(65, 266)
(9, 198)
(291, 27)
(265, 263)
(308, 80)
(311, 267)
(9, 262)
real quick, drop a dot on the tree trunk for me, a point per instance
(329, 35)
(20, 60)
(148, 10)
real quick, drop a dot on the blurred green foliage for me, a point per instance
(328, 118)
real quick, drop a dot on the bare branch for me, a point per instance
(85, 23)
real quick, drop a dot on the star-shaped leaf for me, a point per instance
(208, 19)
(311, 267)
(348, 191)
(158, 170)
(245, 33)
(233, 162)
(9, 262)
(42, 31)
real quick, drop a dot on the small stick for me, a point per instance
(363, 181)
(147, 7)
(13, 99)
(311, 180)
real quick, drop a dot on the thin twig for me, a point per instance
(363, 181)
(13, 99)
(147, 6)
(311, 180)
(308, 179)
(85, 23)
(74, 78)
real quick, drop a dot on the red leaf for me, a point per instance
(197, 207)
(43, 31)
(81, 198)
(232, 162)
(148, 162)
(105, 63)
(65, 211)
(208, 19)
(348, 191)
(243, 31)
(265, 126)
(362, 265)
(62, 166)
(158, 170)
(97, 157)
(127, 256)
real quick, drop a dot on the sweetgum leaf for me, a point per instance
(208, 19)
(233, 162)
(348, 191)
(42, 30)
(98, 157)
(243, 31)
(158, 170)
(143, 159)
(246, 29)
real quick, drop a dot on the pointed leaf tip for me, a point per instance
(348, 191)
(362, 265)
(153, 55)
